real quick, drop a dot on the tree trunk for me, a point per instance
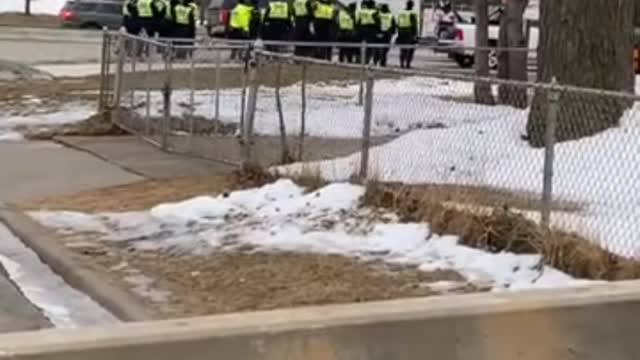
(27, 7)
(586, 43)
(482, 90)
(513, 64)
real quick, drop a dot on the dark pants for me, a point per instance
(237, 34)
(182, 32)
(275, 30)
(323, 34)
(406, 55)
(369, 34)
(149, 26)
(383, 52)
(347, 54)
(302, 33)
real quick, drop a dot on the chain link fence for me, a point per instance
(561, 156)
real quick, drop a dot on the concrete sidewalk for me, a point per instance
(37, 169)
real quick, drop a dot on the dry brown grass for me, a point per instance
(500, 229)
(137, 196)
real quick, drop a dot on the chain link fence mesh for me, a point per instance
(561, 156)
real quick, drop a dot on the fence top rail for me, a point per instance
(373, 71)
(200, 42)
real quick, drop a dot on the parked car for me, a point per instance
(464, 39)
(92, 14)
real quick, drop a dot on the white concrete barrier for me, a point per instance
(598, 322)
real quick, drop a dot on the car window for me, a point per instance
(110, 8)
(83, 6)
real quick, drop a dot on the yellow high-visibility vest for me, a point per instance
(367, 16)
(183, 12)
(345, 21)
(144, 8)
(278, 10)
(241, 17)
(404, 19)
(300, 7)
(386, 21)
(323, 11)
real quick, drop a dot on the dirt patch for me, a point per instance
(35, 21)
(500, 228)
(137, 196)
(178, 286)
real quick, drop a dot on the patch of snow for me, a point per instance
(11, 136)
(49, 7)
(282, 217)
(599, 172)
(64, 306)
(37, 115)
(332, 109)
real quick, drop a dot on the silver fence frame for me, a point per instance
(111, 98)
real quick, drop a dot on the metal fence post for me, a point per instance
(303, 111)
(549, 146)
(134, 60)
(247, 57)
(192, 99)
(119, 80)
(217, 80)
(106, 47)
(147, 78)
(166, 100)
(247, 132)
(363, 54)
(366, 128)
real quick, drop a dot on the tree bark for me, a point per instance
(27, 7)
(482, 90)
(513, 64)
(586, 43)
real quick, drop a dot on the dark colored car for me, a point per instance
(92, 14)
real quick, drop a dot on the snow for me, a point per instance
(333, 111)
(64, 306)
(599, 172)
(50, 7)
(35, 114)
(282, 216)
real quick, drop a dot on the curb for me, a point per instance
(120, 303)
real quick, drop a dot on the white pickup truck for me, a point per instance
(465, 39)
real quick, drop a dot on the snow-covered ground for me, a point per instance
(49, 7)
(282, 217)
(332, 109)
(35, 114)
(600, 172)
(64, 306)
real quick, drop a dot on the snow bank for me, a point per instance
(49, 7)
(34, 114)
(332, 110)
(282, 217)
(64, 306)
(600, 172)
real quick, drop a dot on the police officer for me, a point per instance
(346, 31)
(277, 23)
(368, 25)
(387, 30)
(184, 20)
(151, 14)
(130, 19)
(241, 24)
(407, 34)
(323, 20)
(302, 11)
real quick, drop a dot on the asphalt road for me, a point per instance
(46, 47)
